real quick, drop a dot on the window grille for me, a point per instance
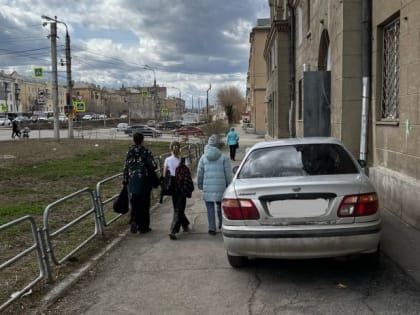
(390, 70)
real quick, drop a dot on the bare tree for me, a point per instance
(232, 101)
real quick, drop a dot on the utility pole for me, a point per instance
(69, 97)
(53, 37)
(207, 103)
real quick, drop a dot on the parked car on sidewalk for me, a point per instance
(300, 198)
(189, 131)
(145, 130)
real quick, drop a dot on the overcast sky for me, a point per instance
(189, 43)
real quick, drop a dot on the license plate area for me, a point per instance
(297, 208)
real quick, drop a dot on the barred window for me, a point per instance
(390, 70)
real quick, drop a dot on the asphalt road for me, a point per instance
(100, 133)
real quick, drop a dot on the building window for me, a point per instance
(390, 71)
(300, 100)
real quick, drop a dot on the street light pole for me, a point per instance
(53, 37)
(69, 86)
(69, 96)
(179, 111)
(155, 103)
(207, 103)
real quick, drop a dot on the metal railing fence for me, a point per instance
(43, 237)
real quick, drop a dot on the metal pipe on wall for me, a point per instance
(366, 75)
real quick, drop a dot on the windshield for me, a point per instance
(298, 160)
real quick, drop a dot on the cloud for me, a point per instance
(188, 43)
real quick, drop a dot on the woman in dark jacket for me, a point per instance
(179, 197)
(140, 176)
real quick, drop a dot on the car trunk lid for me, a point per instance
(299, 200)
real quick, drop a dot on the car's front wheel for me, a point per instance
(237, 261)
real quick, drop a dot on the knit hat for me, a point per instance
(212, 140)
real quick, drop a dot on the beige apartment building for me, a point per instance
(257, 76)
(354, 76)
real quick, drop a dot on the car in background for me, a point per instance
(123, 116)
(4, 121)
(122, 127)
(34, 118)
(300, 198)
(21, 118)
(145, 130)
(189, 131)
(87, 117)
(62, 118)
(170, 124)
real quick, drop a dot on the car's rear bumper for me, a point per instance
(292, 242)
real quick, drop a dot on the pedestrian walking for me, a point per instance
(175, 165)
(213, 176)
(232, 140)
(140, 176)
(15, 129)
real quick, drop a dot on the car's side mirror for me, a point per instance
(235, 169)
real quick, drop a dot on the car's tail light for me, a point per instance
(240, 209)
(358, 205)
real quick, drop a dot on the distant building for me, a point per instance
(257, 76)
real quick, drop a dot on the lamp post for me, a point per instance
(178, 111)
(207, 103)
(69, 96)
(155, 103)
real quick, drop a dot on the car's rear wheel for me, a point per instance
(237, 261)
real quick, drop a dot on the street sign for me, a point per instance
(38, 72)
(79, 106)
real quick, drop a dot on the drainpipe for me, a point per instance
(292, 111)
(366, 74)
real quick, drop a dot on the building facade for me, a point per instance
(395, 128)
(257, 76)
(354, 76)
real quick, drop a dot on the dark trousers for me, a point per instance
(232, 149)
(179, 203)
(140, 211)
(16, 132)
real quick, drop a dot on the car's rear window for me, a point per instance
(298, 160)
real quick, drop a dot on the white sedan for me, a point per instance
(87, 117)
(300, 198)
